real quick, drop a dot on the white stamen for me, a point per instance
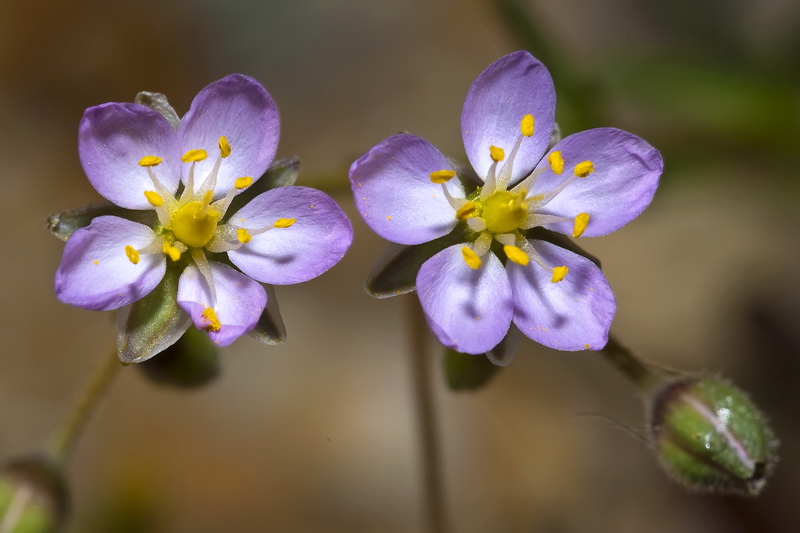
(538, 219)
(476, 224)
(482, 244)
(200, 259)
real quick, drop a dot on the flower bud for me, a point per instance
(711, 437)
(33, 496)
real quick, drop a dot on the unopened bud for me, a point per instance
(193, 361)
(711, 437)
(33, 496)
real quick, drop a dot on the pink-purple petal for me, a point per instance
(513, 86)
(393, 190)
(625, 178)
(240, 109)
(469, 310)
(572, 314)
(113, 138)
(95, 272)
(238, 305)
(317, 240)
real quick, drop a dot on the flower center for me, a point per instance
(504, 211)
(195, 223)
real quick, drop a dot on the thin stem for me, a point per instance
(65, 436)
(646, 377)
(433, 493)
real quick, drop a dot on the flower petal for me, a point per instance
(240, 109)
(573, 314)
(238, 306)
(625, 177)
(95, 272)
(468, 309)
(317, 240)
(394, 192)
(113, 138)
(513, 86)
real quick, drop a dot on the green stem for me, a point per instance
(433, 494)
(646, 377)
(64, 437)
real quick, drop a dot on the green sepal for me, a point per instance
(561, 240)
(190, 363)
(65, 223)
(270, 329)
(45, 499)
(710, 436)
(465, 372)
(159, 102)
(150, 325)
(281, 173)
(395, 271)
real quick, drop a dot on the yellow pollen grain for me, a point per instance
(467, 210)
(516, 255)
(132, 254)
(556, 162)
(497, 153)
(526, 125)
(243, 235)
(149, 161)
(581, 221)
(243, 182)
(442, 176)
(224, 147)
(559, 273)
(154, 198)
(470, 257)
(586, 346)
(284, 222)
(96, 262)
(171, 251)
(584, 168)
(210, 316)
(194, 155)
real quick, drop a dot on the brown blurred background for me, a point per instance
(318, 435)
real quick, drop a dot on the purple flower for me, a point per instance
(189, 172)
(588, 184)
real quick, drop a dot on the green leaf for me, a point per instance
(270, 328)
(465, 372)
(395, 271)
(281, 173)
(150, 325)
(64, 224)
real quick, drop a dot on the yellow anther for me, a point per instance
(497, 153)
(149, 161)
(243, 235)
(559, 273)
(224, 147)
(584, 169)
(467, 210)
(194, 155)
(284, 222)
(556, 162)
(132, 254)
(243, 182)
(516, 255)
(154, 198)
(171, 251)
(526, 126)
(210, 316)
(470, 257)
(581, 221)
(442, 176)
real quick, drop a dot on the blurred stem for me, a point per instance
(433, 494)
(65, 436)
(646, 378)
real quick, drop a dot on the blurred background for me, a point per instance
(319, 435)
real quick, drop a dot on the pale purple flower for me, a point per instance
(588, 184)
(189, 174)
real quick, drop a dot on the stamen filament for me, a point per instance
(200, 259)
(482, 243)
(476, 223)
